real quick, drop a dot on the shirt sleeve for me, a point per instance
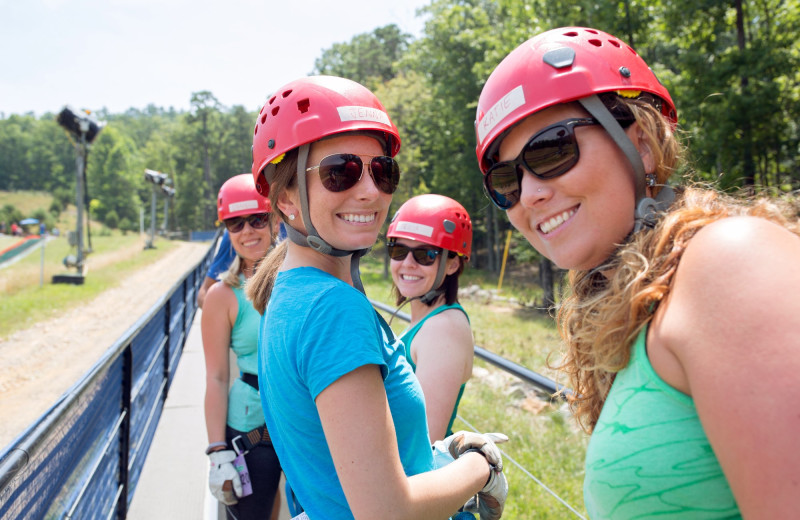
(340, 335)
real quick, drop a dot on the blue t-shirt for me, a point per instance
(222, 260)
(320, 329)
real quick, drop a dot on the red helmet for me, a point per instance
(311, 108)
(559, 66)
(238, 196)
(436, 220)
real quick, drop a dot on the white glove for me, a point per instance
(490, 501)
(221, 473)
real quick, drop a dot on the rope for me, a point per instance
(518, 465)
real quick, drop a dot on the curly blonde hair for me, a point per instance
(600, 317)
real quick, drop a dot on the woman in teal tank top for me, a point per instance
(437, 231)
(682, 322)
(234, 418)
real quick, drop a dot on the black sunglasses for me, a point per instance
(341, 171)
(551, 152)
(423, 255)
(256, 221)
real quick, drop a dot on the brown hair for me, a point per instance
(259, 286)
(600, 318)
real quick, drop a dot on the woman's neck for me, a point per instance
(420, 309)
(301, 256)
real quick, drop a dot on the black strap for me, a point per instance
(250, 379)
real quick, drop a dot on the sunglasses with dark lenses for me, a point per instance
(551, 152)
(341, 171)
(424, 255)
(256, 221)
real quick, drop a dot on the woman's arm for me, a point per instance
(215, 326)
(732, 323)
(443, 352)
(361, 437)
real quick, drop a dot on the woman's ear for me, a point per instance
(287, 205)
(453, 264)
(639, 138)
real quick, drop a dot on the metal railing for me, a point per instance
(83, 457)
(525, 374)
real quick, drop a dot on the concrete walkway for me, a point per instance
(174, 480)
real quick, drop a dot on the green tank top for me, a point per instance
(244, 403)
(648, 456)
(408, 336)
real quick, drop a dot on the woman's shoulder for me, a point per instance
(733, 244)
(218, 294)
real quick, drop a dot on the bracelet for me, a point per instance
(213, 445)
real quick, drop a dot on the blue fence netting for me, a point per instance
(83, 457)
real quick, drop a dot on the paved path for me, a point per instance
(174, 480)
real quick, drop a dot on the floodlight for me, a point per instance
(80, 124)
(155, 177)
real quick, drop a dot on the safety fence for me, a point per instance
(84, 456)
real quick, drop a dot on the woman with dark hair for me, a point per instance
(682, 317)
(429, 243)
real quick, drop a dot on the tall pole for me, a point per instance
(150, 243)
(80, 163)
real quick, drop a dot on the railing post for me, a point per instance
(125, 431)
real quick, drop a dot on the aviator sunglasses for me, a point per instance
(551, 152)
(424, 255)
(256, 221)
(341, 171)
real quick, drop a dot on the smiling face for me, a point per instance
(350, 219)
(575, 219)
(251, 244)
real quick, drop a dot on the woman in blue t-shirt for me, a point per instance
(342, 404)
(429, 243)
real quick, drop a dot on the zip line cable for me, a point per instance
(517, 464)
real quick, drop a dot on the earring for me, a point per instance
(291, 216)
(650, 179)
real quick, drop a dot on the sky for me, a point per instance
(120, 54)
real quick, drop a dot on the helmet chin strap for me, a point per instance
(313, 240)
(646, 209)
(436, 288)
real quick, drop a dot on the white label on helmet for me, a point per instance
(245, 204)
(506, 105)
(413, 227)
(354, 113)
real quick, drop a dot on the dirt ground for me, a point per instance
(39, 364)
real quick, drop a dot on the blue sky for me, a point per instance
(118, 54)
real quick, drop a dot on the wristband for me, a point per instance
(491, 466)
(213, 445)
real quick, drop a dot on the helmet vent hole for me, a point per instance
(286, 93)
(571, 34)
(615, 43)
(275, 110)
(272, 99)
(596, 43)
(263, 118)
(303, 105)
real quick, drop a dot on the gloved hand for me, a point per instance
(490, 501)
(221, 473)
(462, 441)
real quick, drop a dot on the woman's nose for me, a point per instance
(533, 189)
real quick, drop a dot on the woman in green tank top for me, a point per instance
(437, 232)
(230, 323)
(682, 321)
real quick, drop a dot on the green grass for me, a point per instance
(24, 302)
(543, 438)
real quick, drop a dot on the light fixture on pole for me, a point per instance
(158, 180)
(82, 128)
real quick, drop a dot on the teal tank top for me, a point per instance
(408, 336)
(244, 402)
(648, 456)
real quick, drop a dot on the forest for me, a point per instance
(733, 69)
